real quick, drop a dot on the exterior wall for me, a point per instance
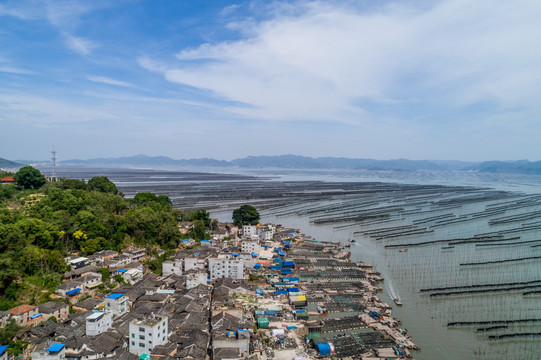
(24, 318)
(45, 355)
(194, 264)
(265, 235)
(146, 334)
(249, 230)
(4, 356)
(96, 325)
(242, 344)
(60, 314)
(132, 276)
(172, 267)
(192, 280)
(250, 247)
(224, 268)
(117, 306)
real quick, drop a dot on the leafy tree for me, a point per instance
(202, 215)
(245, 215)
(102, 184)
(6, 192)
(29, 178)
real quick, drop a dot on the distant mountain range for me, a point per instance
(8, 164)
(304, 162)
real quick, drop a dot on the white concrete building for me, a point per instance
(196, 278)
(249, 230)
(172, 267)
(132, 276)
(147, 333)
(250, 247)
(49, 351)
(98, 322)
(226, 268)
(117, 304)
(194, 263)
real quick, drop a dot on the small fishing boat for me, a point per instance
(397, 301)
(403, 250)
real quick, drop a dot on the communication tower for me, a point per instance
(53, 157)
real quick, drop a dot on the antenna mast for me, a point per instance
(53, 157)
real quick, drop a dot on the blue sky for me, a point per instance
(443, 80)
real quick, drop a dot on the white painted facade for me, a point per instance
(147, 333)
(226, 268)
(43, 352)
(194, 279)
(250, 247)
(118, 305)
(98, 323)
(193, 263)
(249, 230)
(172, 267)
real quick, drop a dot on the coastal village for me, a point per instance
(258, 292)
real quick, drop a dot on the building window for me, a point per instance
(142, 337)
(133, 343)
(133, 336)
(142, 329)
(141, 345)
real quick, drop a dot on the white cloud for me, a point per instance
(80, 45)
(15, 70)
(109, 81)
(320, 61)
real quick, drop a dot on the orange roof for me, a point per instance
(21, 309)
(8, 178)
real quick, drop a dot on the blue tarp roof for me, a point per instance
(35, 316)
(122, 270)
(114, 296)
(74, 291)
(56, 347)
(255, 254)
(324, 348)
(3, 348)
(293, 289)
(257, 266)
(185, 239)
(209, 241)
(281, 253)
(291, 327)
(234, 254)
(280, 292)
(293, 233)
(259, 291)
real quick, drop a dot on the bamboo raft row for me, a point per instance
(501, 261)
(492, 322)
(480, 286)
(447, 241)
(484, 291)
(492, 328)
(513, 243)
(515, 335)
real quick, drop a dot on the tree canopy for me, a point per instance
(245, 215)
(102, 184)
(29, 178)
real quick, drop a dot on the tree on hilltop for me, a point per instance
(29, 178)
(102, 184)
(245, 215)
